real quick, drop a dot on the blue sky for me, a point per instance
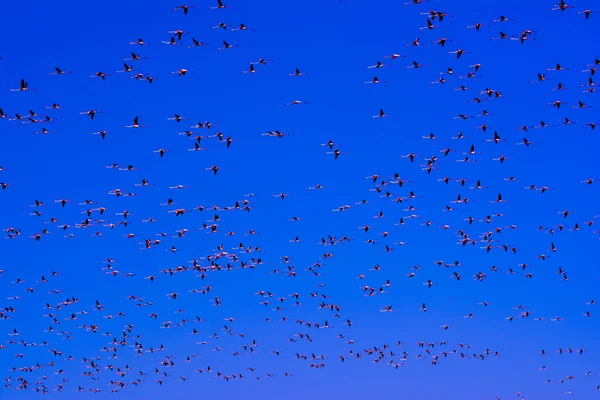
(332, 43)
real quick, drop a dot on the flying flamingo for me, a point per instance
(219, 5)
(24, 87)
(135, 124)
(58, 71)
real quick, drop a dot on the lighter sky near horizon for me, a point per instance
(332, 43)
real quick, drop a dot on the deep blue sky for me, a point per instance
(332, 43)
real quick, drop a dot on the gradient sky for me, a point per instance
(331, 42)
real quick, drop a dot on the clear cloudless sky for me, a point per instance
(332, 43)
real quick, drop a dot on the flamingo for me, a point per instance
(135, 124)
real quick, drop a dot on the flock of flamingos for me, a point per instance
(223, 289)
